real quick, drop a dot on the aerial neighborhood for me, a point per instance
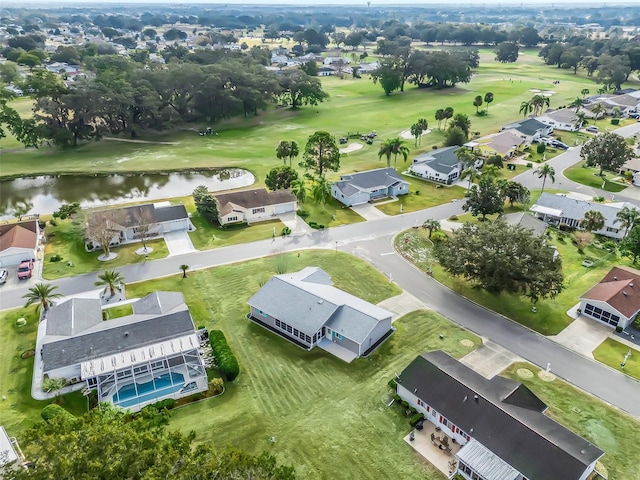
(319, 241)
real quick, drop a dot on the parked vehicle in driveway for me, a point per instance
(592, 129)
(25, 269)
(559, 144)
(3, 276)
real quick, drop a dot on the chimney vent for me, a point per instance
(624, 293)
(465, 398)
(475, 397)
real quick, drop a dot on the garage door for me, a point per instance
(13, 259)
(287, 207)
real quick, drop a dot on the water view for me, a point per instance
(45, 194)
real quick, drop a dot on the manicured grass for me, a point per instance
(588, 176)
(19, 411)
(64, 240)
(120, 311)
(422, 194)
(333, 214)
(23, 106)
(610, 352)
(610, 429)
(550, 317)
(207, 236)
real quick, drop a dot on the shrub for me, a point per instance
(541, 148)
(417, 192)
(404, 403)
(438, 236)
(53, 222)
(216, 385)
(415, 419)
(397, 398)
(615, 121)
(598, 198)
(618, 329)
(392, 384)
(286, 231)
(453, 218)
(167, 403)
(54, 411)
(313, 224)
(434, 147)
(227, 362)
(55, 258)
(303, 213)
(610, 245)
(529, 164)
(42, 223)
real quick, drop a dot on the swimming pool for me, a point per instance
(159, 386)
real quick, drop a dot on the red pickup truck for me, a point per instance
(25, 269)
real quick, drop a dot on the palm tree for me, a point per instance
(597, 110)
(543, 172)
(470, 173)
(299, 189)
(110, 280)
(539, 101)
(593, 220)
(184, 269)
(294, 151)
(283, 151)
(581, 120)
(42, 294)
(466, 156)
(448, 114)
(577, 103)
(399, 148)
(491, 171)
(321, 189)
(525, 108)
(432, 225)
(386, 149)
(488, 98)
(628, 218)
(477, 102)
(416, 131)
(584, 92)
(440, 116)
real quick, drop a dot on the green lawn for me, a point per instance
(422, 194)
(607, 427)
(64, 240)
(588, 176)
(550, 317)
(332, 214)
(610, 352)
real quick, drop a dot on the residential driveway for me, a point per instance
(490, 359)
(582, 335)
(369, 212)
(297, 225)
(402, 304)
(178, 243)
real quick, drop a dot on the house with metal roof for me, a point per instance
(254, 205)
(441, 165)
(500, 424)
(149, 220)
(563, 210)
(529, 129)
(18, 241)
(615, 300)
(362, 187)
(306, 309)
(131, 361)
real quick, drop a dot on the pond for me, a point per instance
(45, 194)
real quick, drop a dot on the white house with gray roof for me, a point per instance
(131, 361)
(362, 187)
(560, 209)
(441, 165)
(529, 129)
(306, 309)
(563, 119)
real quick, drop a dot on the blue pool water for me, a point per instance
(160, 386)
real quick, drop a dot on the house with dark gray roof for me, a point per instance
(362, 187)
(306, 309)
(149, 220)
(131, 361)
(528, 129)
(441, 165)
(254, 205)
(500, 424)
(526, 220)
(563, 210)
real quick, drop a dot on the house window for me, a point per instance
(277, 323)
(613, 230)
(445, 422)
(289, 329)
(232, 219)
(307, 338)
(258, 210)
(295, 332)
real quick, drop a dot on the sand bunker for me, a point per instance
(407, 135)
(352, 147)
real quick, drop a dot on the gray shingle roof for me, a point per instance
(564, 115)
(158, 303)
(306, 300)
(73, 316)
(527, 221)
(369, 180)
(443, 160)
(254, 198)
(573, 208)
(505, 418)
(528, 127)
(156, 214)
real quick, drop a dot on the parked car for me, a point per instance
(559, 144)
(25, 269)
(3, 276)
(592, 129)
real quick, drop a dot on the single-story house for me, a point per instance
(256, 205)
(500, 424)
(362, 187)
(625, 103)
(529, 129)
(149, 220)
(327, 71)
(366, 68)
(615, 300)
(563, 119)
(505, 144)
(560, 209)
(633, 166)
(441, 165)
(525, 220)
(306, 309)
(131, 361)
(332, 60)
(18, 241)
(10, 452)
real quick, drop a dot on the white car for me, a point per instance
(592, 129)
(3, 276)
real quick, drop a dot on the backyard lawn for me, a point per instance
(612, 353)
(550, 316)
(610, 429)
(588, 176)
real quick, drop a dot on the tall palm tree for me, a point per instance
(538, 102)
(598, 109)
(42, 294)
(471, 173)
(491, 171)
(628, 218)
(466, 156)
(577, 103)
(321, 190)
(525, 108)
(299, 189)
(283, 151)
(294, 151)
(440, 116)
(593, 220)
(432, 225)
(448, 114)
(386, 150)
(110, 280)
(488, 98)
(581, 120)
(584, 92)
(399, 148)
(543, 172)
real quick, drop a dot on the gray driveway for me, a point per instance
(368, 211)
(178, 243)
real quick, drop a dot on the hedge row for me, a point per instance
(227, 362)
(52, 411)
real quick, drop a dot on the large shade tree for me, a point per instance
(485, 198)
(502, 258)
(321, 154)
(608, 151)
